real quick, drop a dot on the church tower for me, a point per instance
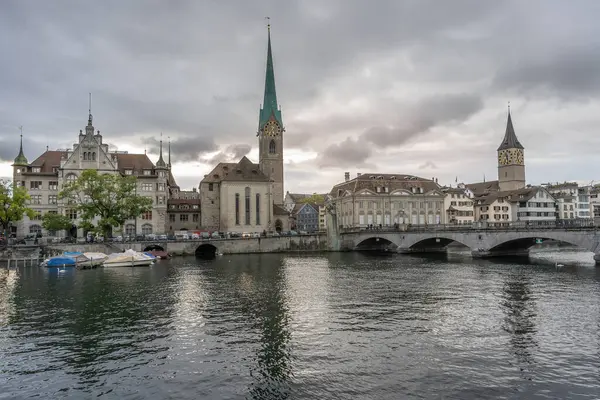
(511, 160)
(270, 132)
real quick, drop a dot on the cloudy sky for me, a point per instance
(401, 86)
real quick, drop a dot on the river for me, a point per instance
(332, 326)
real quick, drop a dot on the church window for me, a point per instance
(247, 204)
(272, 147)
(237, 208)
(94, 156)
(257, 208)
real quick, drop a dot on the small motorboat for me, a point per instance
(94, 259)
(129, 258)
(59, 262)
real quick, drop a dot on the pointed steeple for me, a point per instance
(269, 106)
(161, 163)
(510, 140)
(169, 160)
(21, 159)
(89, 129)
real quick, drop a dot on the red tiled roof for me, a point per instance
(48, 160)
(136, 162)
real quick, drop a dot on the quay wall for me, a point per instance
(303, 243)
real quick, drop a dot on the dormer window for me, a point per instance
(372, 177)
(128, 172)
(36, 170)
(147, 172)
(392, 177)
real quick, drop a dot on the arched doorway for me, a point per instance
(278, 225)
(206, 251)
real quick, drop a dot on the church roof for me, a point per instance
(243, 171)
(278, 210)
(269, 106)
(510, 140)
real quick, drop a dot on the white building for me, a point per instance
(459, 206)
(373, 199)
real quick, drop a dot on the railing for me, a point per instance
(567, 225)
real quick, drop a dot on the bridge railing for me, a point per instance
(566, 225)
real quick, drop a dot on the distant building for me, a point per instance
(317, 200)
(376, 199)
(184, 211)
(458, 204)
(306, 217)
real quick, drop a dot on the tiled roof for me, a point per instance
(243, 171)
(480, 188)
(48, 160)
(512, 196)
(391, 181)
(278, 210)
(171, 180)
(136, 162)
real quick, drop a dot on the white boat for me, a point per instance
(129, 258)
(93, 259)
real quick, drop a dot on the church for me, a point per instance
(244, 196)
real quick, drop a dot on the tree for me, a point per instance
(110, 197)
(56, 222)
(13, 204)
(314, 199)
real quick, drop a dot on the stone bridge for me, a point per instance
(302, 243)
(481, 242)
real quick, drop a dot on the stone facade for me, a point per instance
(375, 199)
(458, 203)
(47, 174)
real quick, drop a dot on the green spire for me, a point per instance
(269, 106)
(21, 159)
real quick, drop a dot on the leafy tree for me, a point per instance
(56, 222)
(110, 197)
(13, 204)
(314, 199)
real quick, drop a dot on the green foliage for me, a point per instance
(56, 222)
(13, 204)
(313, 199)
(111, 197)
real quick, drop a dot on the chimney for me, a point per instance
(358, 174)
(194, 189)
(347, 176)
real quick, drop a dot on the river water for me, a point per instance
(333, 326)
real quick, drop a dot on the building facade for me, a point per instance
(184, 211)
(376, 200)
(458, 203)
(48, 173)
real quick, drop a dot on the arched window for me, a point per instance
(85, 156)
(94, 156)
(272, 147)
(71, 178)
(130, 229)
(237, 208)
(146, 229)
(247, 204)
(35, 229)
(257, 208)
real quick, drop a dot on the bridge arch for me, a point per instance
(526, 241)
(436, 242)
(376, 243)
(152, 247)
(206, 251)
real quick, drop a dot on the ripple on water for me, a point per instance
(341, 326)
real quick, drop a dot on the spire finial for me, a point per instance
(169, 152)
(268, 24)
(509, 106)
(90, 111)
(21, 159)
(160, 162)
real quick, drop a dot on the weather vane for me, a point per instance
(268, 22)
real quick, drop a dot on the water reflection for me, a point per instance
(520, 313)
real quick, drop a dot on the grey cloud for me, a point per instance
(428, 165)
(183, 149)
(350, 152)
(232, 153)
(9, 148)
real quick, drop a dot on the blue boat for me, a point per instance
(60, 261)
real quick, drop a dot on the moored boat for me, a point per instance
(59, 261)
(160, 254)
(129, 258)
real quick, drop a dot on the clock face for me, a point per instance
(519, 157)
(272, 128)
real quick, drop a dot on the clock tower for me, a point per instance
(511, 160)
(270, 132)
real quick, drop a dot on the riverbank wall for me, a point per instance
(282, 244)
